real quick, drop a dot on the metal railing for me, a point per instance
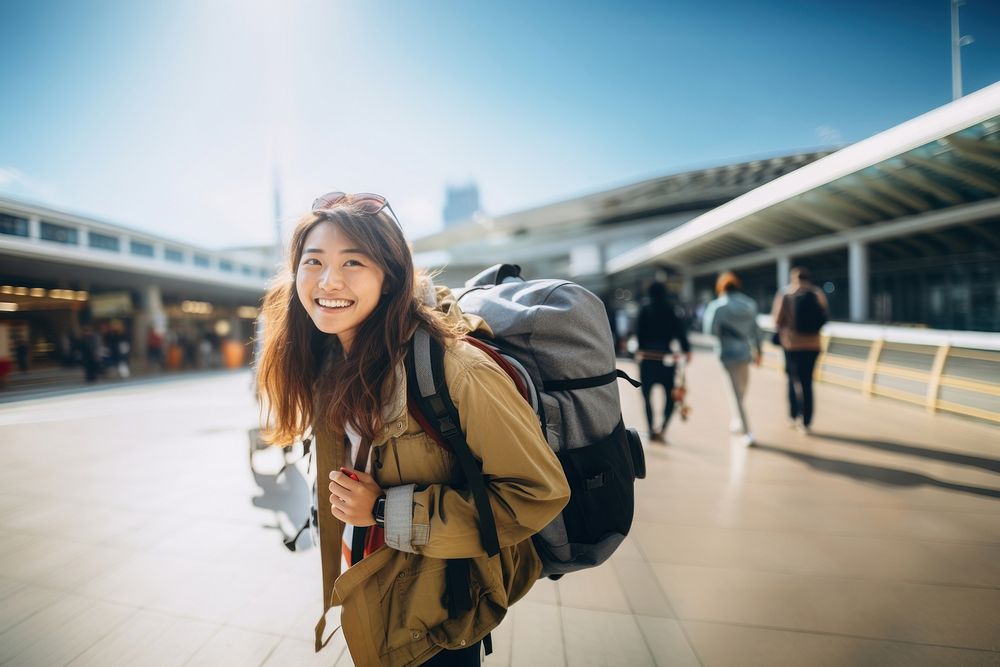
(948, 371)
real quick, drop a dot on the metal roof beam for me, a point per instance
(923, 222)
(837, 202)
(952, 171)
(803, 209)
(978, 145)
(859, 192)
(758, 235)
(973, 151)
(914, 178)
(894, 192)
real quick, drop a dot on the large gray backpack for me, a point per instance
(554, 339)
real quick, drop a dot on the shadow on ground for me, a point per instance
(287, 494)
(878, 474)
(992, 465)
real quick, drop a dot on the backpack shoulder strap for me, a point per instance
(426, 385)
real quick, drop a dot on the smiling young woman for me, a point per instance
(338, 284)
(338, 327)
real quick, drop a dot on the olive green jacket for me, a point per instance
(393, 610)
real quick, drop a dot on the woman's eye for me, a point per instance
(353, 262)
(310, 261)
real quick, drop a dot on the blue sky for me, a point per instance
(170, 115)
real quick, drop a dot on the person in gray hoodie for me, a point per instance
(732, 320)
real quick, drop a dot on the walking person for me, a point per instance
(732, 319)
(22, 351)
(154, 349)
(339, 325)
(799, 312)
(90, 353)
(658, 327)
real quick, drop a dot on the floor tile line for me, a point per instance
(894, 538)
(838, 577)
(895, 505)
(826, 633)
(270, 653)
(631, 610)
(562, 628)
(670, 606)
(205, 643)
(157, 611)
(110, 630)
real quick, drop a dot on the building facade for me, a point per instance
(62, 274)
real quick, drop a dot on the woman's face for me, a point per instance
(337, 283)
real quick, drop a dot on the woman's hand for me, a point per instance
(351, 500)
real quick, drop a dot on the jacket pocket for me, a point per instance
(412, 601)
(600, 479)
(420, 460)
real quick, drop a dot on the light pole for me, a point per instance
(279, 249)
(957, 42)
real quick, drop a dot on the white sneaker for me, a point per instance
(735, 426)
(748, 440)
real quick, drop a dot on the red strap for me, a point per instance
(374, 539)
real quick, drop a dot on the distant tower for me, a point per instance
(461, 202)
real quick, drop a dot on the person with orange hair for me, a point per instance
(732, 320)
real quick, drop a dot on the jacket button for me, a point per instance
(402, 574)
(399, 424)
(415, 635)
(462, 642)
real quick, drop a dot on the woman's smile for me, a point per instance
(333, 305)
(341, 281)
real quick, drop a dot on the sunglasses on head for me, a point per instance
(366, 202)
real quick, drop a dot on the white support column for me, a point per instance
(150, 316)
(152, 304)
(784, 268)
(34, 228)
(858, 280)
(687, 288)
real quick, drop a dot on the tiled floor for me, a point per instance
(128, 537)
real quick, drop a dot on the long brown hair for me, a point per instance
(299, 363)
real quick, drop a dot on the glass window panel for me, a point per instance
(59, 233)
(13, 225)
(104, 242)
(140, 248)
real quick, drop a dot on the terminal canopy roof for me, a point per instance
(945, 163)
(696, 190)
